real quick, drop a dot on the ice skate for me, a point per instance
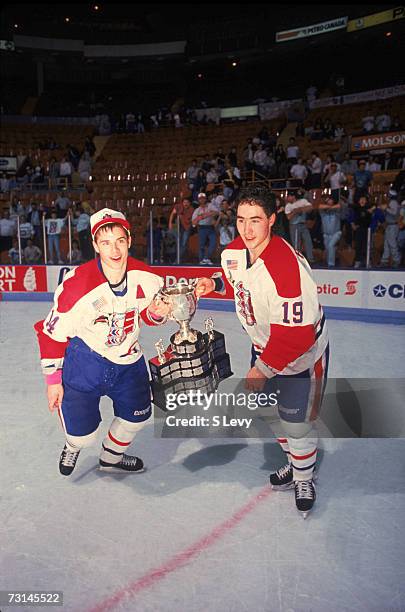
(283, 478)
(127, 464)
(67, 461)
(305, 496)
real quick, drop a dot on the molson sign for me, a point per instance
(378, 141)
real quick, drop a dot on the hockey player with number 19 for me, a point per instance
(89, 346)
(277, 303)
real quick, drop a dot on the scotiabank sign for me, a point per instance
(339, 288)
(378, 141)
(23, 278)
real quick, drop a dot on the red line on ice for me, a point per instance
(182, 558)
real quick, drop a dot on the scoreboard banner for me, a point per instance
(375, 19)
(312, 30)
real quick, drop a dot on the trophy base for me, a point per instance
(190, 367)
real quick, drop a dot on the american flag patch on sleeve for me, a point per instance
(232, 264)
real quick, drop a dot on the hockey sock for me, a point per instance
(118, 439)
(303, 457)
(284, 445)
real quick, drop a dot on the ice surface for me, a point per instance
(93, 534)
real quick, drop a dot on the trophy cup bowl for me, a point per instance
(183, 300)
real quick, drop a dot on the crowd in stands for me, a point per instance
(342, 215)
(54, 173)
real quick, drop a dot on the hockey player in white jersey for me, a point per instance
(89, 346)
(277, 303)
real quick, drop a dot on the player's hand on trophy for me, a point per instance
(159, 308)
(255, 380)
(55, 396)
(204, 286)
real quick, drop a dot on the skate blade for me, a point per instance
(285, 487)
(115, 470)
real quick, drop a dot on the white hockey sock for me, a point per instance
(118, 439)
(284, 445)
(303, 457)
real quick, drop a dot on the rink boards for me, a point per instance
(347, 293)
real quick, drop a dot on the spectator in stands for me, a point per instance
(316, 170)
(361, 219)
(32, 253)
(388, 162)
(76, 254)
(83, 232)
(260, 160)
(220, 156)
(4, 183)
(89, 147)
(200, 184)
(271, 166)
(53, 172)
(368, 122)
(328, 129)
(396, 124)
(226, 224)
(212, 175)
(204, 218)
(14, 253)
(38, 176)
(391, 231)
(191, 174)
(349, 166)
(207, 163)
(7, 231)
(296, 210)
(362, 179)
(26, 231)
(281, 226)
(248, 155)
(383, 122)
(232, 157)
(140, 127)
(130, 125)
(281, 161)
(339, 132)
(73, 156)
(293, 152)
(330, 216)
(231, 181)
(336, 180)
(62, 204)
(314, 225)
(84, 167)
(66, 170)
(372, 164)
(317, 132)
(184, 211)
(53, 229)
(327, 165)
(34, 216)
(299, 173)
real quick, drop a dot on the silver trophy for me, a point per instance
(193, 360)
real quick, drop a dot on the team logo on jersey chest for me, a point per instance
(120, 325)
(244, 303)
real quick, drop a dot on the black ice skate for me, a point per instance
(283, 478)
(305, 496)
(127, 464)
(67, 461)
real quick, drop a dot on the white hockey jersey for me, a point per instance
(86, 307)
(277, 303)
